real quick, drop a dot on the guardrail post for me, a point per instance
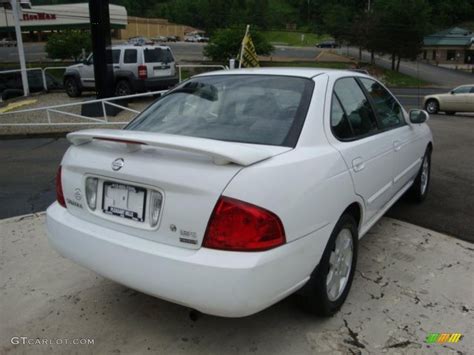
(179, 71)
(45, 84)
(103, 110)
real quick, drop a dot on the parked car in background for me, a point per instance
(159, 39)
(140, 41)
(460, 99)
(5, 42)
(327, 44)
(184, 203)
(202, 38)
(173, 38)
(136, 69)
(191, 38)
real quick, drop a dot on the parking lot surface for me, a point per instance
(409, 282)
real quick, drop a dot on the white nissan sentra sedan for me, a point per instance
(239, 188)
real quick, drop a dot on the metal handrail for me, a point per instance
(103, 102)
(56, 109)
(43, 73)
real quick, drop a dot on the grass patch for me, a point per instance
(293, 38)
(393, 78)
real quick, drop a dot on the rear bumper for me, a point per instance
(157, 83)
(230, 284)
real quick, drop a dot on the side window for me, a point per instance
(115, 56)
(387, 109)
(356, 106)
(339, 122)
(130, 56)
(472, 90)
(462, 90)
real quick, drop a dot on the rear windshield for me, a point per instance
(158, 55)
(260, 109)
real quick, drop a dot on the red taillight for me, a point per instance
(240, 226)
(59, 188)
(142, 72)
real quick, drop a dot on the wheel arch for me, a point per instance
(355, 210)
(73, 74)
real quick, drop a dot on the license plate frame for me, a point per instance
(121, 212)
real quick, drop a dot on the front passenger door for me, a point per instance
(368, 153)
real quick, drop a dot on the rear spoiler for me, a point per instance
(221, 152)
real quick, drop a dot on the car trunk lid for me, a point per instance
(190, 174)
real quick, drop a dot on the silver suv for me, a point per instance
(136, 69)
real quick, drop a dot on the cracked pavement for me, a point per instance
(409, 282)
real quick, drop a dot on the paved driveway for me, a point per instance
(409, 282)
(432, 74)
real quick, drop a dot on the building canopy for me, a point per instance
(56, 17)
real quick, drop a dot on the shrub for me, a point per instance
(225, 44)
(68, 44)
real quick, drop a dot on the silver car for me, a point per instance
(136, 69)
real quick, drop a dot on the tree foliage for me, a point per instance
(68, 44)
(225, 44)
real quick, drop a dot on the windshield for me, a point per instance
(260, 109)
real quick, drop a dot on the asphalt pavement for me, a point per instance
(183, 51)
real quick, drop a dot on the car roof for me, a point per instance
(286, 71)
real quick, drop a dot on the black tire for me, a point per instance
(314, 297)
(419, 190)
(123, 88)
(451, 113)
(72, 87)
(432, 106)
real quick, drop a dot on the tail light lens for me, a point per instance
(142, 73)
(91, 192)
(240, 226)
(155, 207)
(59, 188)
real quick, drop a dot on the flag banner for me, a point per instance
(249, 57)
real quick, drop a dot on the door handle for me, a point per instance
(397, 146)
(116, 66)
(358, 164)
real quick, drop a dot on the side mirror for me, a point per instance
(452, 92)
(418, 116)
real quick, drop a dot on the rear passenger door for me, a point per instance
(406, 143)
(130, 61)
(367, 151)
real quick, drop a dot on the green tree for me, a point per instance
(225, 44)
(68, 44)
(399, 28)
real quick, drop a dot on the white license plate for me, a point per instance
(124, 201)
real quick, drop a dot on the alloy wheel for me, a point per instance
(340, 264)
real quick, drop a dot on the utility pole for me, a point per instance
(19, 42)
(101, 43)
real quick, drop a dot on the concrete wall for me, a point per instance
(151, 27)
